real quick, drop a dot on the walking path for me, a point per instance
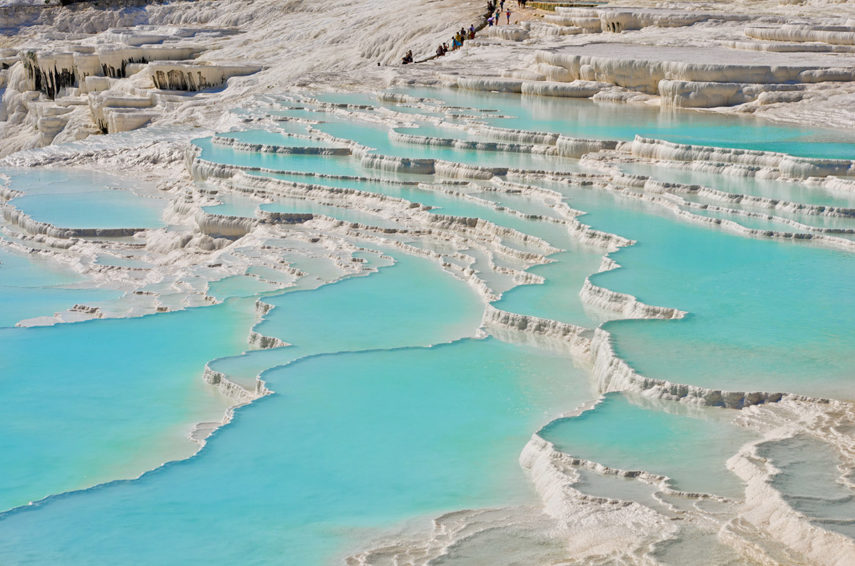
(518, 14)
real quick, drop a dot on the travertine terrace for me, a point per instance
(159, 94)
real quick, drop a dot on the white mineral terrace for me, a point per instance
(125, 90)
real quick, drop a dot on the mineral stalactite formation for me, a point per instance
(187, 77)
(51, 74)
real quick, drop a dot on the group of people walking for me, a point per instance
(457, 41)
(494, 7)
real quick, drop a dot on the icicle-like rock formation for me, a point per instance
(187, 76)
(49, 72)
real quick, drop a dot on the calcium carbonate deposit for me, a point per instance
(580, 291)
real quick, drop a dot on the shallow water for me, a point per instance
(809, 478)
(795, 191)
(465, 410)
(433, 131)
(584, 118)
(301, 206)
(765, 222)
(234, 205)
(340, 165)
(81, 199)
(690, 448)
(558, 297)
(769, 316)
(375, 311)
(441, 202)
(95, 210)
(32, 287)
(789, 333)
(377, 137)
(386, 410)
(274, 139)
(240, 286)
(137, 389)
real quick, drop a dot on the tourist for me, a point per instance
(508, 14)
(408, 58)
(439, 51)
(471, 32)
(490, 21)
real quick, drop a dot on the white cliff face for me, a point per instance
(678, 56)
(765, 162)
(53, 57)
(740, 56)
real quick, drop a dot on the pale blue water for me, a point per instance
(429, 387)
(299, 206)
(301, 113)
(340, 165)
(809, 479)
(33, 287)
(350, 98)
(752, 222)
(385, 409)
(584, 118)
(558, 297)
(240, 286)
(842, 226)
(92, 210)
(369, 179)
(80, 199)
(690, 447)
(769, 316)
(442, 203)
(462, 414)
(407, 191)
(430, 130)
(360, 313)
(42, 180)
(234, 205)
(526, 203)
(137, 391)
(291, 126)
(777, 190)
(273, 138)
(764, 315)
(375, 311)
(796, 191)
(377, 137)
(360, 99)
